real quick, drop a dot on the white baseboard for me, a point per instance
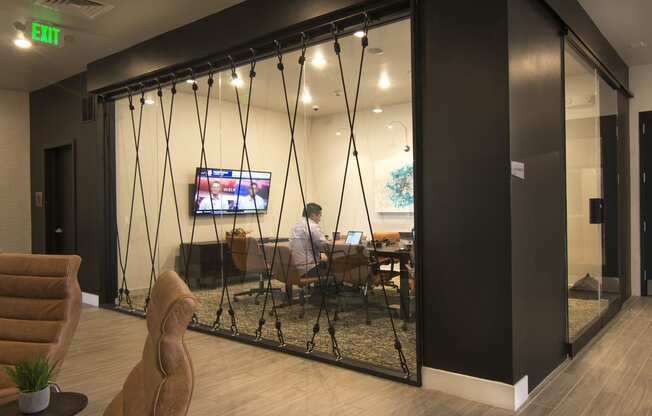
(90, 299)
(492, 393)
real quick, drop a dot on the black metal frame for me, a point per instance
(320, 32)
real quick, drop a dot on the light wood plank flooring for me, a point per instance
(613, 377)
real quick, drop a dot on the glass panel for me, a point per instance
(591, 193)
(362, 291)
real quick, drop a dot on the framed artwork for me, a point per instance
(394, 184)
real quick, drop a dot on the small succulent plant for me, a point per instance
(30, 376)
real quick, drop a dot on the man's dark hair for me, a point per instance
(311, 208)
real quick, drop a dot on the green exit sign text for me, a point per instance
(46, 33)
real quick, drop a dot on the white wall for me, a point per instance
(640, 82)
(375, 142)
(15, 207)
(267, 141)
(322, 155)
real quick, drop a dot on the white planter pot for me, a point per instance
(29, 403)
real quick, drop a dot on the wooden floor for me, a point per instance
(612, 377)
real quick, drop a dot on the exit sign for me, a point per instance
(47, 33)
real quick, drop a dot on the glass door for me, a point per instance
(584, 194)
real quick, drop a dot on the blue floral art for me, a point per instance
(400, 186)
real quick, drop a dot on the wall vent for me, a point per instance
(88, 108)
(89, 9)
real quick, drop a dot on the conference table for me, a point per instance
(394, 251)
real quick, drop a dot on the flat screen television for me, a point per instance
(217, 193)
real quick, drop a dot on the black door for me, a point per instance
(645, 124)
(60, 195)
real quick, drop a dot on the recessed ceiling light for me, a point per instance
(391, 126)
(190, 81)
(377, 110)
(318, 60)
(306, 98)
(236, 81)
(22, 43)
(384, 82)
(359, 34)
(149, 101)
(338, 133)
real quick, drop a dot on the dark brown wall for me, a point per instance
(242, 24)
(464, 198)
(537, 202)
(56, 120)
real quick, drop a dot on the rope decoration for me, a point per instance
(244, 112)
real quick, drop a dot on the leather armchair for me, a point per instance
(161, 384)
(40, 303)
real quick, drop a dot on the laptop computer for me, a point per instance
(353, 237)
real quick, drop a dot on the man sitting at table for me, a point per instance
(308, 259)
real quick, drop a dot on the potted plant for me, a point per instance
(32, 378)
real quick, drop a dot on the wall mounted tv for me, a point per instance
(218, 190)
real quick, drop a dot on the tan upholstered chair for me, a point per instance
(161, 383)
(287, 273)
(40, 302)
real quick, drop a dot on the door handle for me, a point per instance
(58, 230)
(596, 211)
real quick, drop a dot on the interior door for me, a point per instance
(585, 203)
(645, 124)
(60, 195)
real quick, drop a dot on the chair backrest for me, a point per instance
(162, 382)
(40, 303)
(246, 255)
(284, 269)
(391, 236)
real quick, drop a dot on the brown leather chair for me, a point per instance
(393, 237)
(287, 273)
(248, 259)
(161, 384)
(40, 302)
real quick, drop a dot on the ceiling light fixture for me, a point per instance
(190, 81)
(384, 82)
(359, 34)
(306, 98)
(377, 110)
(22, 43)
(236, 81)
(318, 60)
(149, 101)
(338, 133)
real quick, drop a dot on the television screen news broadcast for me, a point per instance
(218, 191)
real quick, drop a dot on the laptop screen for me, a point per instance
(353, 237)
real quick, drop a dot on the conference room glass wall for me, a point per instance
(591, 194)
(229, 218)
